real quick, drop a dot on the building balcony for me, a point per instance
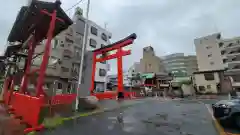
(231, 51)
(236, 84)
(232, 71)
(232, 46)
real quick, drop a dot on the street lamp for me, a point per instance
(85, 38)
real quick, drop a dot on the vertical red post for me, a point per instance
(11, 89)
(120, 70)
(45, 58)
(5, 86)
(93, 72)
(31, 49)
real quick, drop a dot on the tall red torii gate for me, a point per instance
(118, 55)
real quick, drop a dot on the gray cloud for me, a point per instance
(168, 25)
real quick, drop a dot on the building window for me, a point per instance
(93, 43)
(55, 44)
(220, 44)
(224, 60)
(218, 36)
(230, 44)
(209, 55)
(69, 40)
(208, 86)
(102, 72)
(94, 31)
(75, 68)
(64, 69)
(209, 76)
(201, 88)
(208, 47)
(77, 52)
(78, 40)
(102, 45)
(234, 59)
(59, 86)
(62, 45)
(222, 52)
(212, 63)
(104, 37)
(67, 53)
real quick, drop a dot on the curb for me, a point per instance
(215, 122)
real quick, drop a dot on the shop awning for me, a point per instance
(148, 76)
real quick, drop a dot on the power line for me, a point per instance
(74, 5)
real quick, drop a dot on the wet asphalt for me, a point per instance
(149, 118)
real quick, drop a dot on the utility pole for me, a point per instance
(85, 39)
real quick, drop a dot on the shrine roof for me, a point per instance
(30, 19)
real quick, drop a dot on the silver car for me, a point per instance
(227, 111)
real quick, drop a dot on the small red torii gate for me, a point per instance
(118, 55)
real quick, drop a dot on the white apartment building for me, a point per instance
(132, 72)
(216, 53)
(97, 38)
(114, 79)
(209, 53)
(134, 69)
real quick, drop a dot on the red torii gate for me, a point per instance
(118, 55)
(34, 23)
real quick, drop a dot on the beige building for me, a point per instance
(215, 53)
(209, 53)
(150, 63)
(212, 81)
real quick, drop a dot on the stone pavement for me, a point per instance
(153, 117)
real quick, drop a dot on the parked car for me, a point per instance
(227, 111)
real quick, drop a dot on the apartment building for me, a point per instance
(63, 70)
(150, 63)
(180, 65)
(208, 52)
(134, 69)
(114, 79)
(134, 73)
(230, 51)
(216, 55)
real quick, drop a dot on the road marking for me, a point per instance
(216, 123)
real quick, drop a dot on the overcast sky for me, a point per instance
(168, 25)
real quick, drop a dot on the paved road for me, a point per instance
(149, 118)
